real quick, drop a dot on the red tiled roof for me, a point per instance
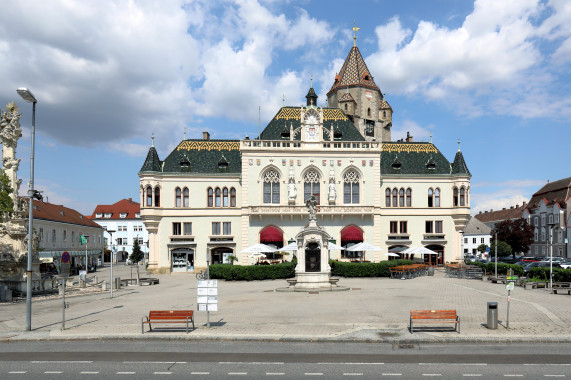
(505, 214)
(58, 213)
(552, 192)
(123, 206)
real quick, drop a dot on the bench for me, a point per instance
(148, 281)
(333, 281)
(434, 317)
(474, 273)
(292, 281)
(562, 290)
(168, 316)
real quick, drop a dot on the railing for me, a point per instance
(295, 144)
(302, 210)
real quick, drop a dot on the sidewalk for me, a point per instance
(374, 310)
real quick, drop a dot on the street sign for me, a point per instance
(487, 249)
(510, 285)
(65, 264)
(65, 257)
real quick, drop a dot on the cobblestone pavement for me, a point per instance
(372, 310)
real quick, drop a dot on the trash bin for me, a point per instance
(492, 322)
(431, 271)
(117, 282)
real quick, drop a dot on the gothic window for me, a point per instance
(217, 197)
(157, 197)
(455, 197)
(149, 196)
(388, 197)
(384, 113)
(185, 197)
(351, 187)
(401, 197)
(408, 197)
(272, 187)
(368, 112)
(550, 219)
(210, 197)
(311, 185)
(395, 198)
(225, 197)
(542, 233)
(345, 106)
(430, 197)
(232, 197)
(462, 196)
(177, 197)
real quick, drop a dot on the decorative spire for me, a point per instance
(458, 145)
(311, 81)
(355, 29)
(153, 140)
(185, 133)
(283, 100)
(431, 137)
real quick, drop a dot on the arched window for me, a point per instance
(217, 197)
(272, 187)
(232, 197)
(368, 112)
(455, 197)
(311, 185)
(149, 196)
(185, 198)
(430, 197)
(177, 197)
(351, 187)
(384, 113)
(462, 196)
(345, 106)
(408, 197)
(395, 198)
(388, 197)
(210, 197)
(225, 202)
(401, 197)
(437, 197)
(157, 196)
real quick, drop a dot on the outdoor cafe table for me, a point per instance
(408, 271)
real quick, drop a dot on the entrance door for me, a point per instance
(437, 259)
(312, 258)
(182, 260)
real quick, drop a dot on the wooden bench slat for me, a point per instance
(434, 317)
(168, 316)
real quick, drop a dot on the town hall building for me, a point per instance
(209, 199)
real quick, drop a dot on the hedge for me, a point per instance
(503, 268)
(542, 274)
(231, 272)
(364, 269)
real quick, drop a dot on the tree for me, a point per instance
(517, 233)
(504, 248)
(6, 204)
(482, 248)
(137, 255)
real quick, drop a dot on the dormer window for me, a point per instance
(108, 215)
(396, 165)
(123, 215)
(223, 164)
(337, 135)
(285, 135)
(185, 164)
(61, 213)
(137, 215)
(98, 216)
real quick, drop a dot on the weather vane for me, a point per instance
(355, 29)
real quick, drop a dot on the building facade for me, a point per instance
(124, 219)
(547, 213)
(60, 229)
(475, 234)
(211, 199)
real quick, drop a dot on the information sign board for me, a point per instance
(207, 295)
(510, 285)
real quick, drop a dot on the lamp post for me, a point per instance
(29, 97)
(496, 255)
(550, 243)
(110, 232)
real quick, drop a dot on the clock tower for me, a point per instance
(311, 119)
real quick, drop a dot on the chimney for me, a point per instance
(130, 199)
(205, 136)
(511, 207)
(408, 137)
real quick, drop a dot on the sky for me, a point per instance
(109, 74)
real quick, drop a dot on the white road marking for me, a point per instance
(314, 374)
(162, 373)
(352, 363)
(60, 362)
(353, 374)
(126, 373)
(154, 362)
(237, 373)
(53, 372)
(471, 374)
(88, 372)
(255, 363)
(18, 371)
(200, 373)
(431, 374)
(554, 375)
(513, 375)
(391, 374)
(275, 373)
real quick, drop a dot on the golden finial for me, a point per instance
(152, 140)
(355, 29)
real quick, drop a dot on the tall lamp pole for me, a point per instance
(29, 97)
(110, 232)
(550, 243)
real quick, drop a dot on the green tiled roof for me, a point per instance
(413, 158)
(152, 163)
(459, 166)
(205, 157)
(287, 116)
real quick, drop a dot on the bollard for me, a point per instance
(117, 283)
(103, 285)
(492, 322)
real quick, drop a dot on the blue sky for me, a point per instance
(108, 74)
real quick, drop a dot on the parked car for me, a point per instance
(565, 264)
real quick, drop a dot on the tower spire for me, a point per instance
(355, 29)
(458, 145)
(152, 140)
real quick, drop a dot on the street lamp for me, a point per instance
(550, 243)
(29, 97)
(110, 232)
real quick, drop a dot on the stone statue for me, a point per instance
(10, 130)
(311, 205)
(291, 189)
(332, 191)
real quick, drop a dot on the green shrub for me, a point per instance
(231, 272)
(364, 269)
(542, 274)
(503, 268)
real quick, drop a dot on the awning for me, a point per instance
(271, 234)
(351, 233)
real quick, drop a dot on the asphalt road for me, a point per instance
(222, 360)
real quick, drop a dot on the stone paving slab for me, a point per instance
(373, 310)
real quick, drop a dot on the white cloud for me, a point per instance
(416, 131)
(486, 196)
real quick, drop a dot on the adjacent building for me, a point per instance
(123, 225)
(60, 228)
(208, 199)
(491, 218)
(547, 212)
(475, 234)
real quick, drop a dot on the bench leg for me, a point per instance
(458, 324)
(411, 330)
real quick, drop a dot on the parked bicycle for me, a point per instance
(202, 275)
